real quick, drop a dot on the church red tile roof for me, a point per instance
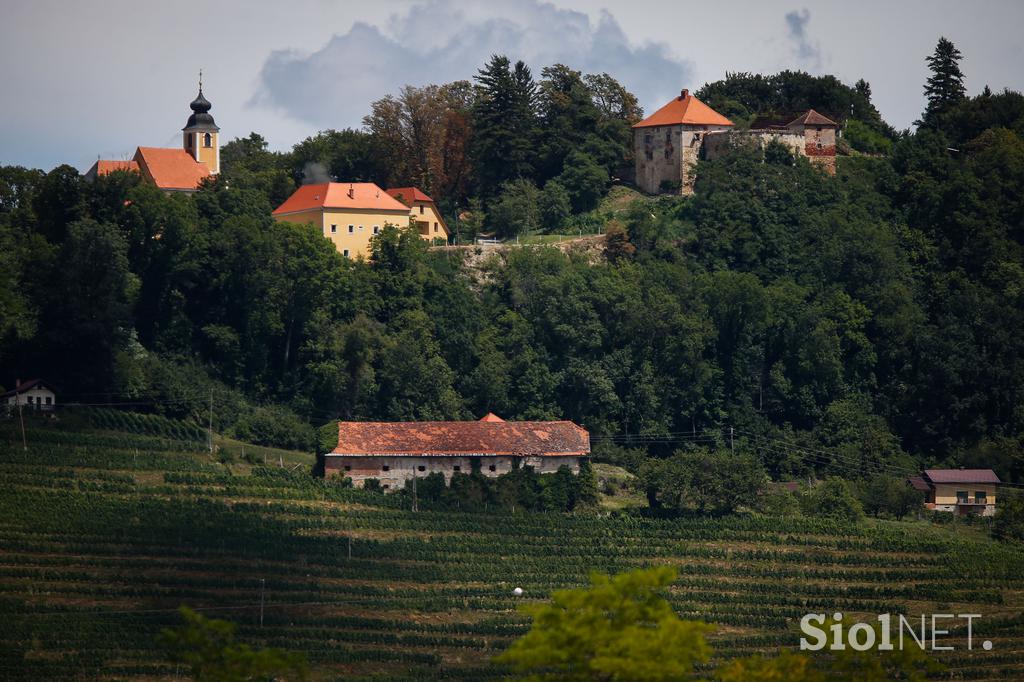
(352, 195)
(171, 168)
(685, 109)
(103, 166)
(463, 438)
(409, 195)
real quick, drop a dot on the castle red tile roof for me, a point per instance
(685, 109)
(813, 118)
(462, 438)
(409, 195)
(171, 168)
(961, 476)
(351, 195)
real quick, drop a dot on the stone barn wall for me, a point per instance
(393, 472)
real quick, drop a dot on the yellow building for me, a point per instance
(424, 213)
(963, 491)
(176, 169)
(347, 213)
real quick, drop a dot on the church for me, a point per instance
(175, 169)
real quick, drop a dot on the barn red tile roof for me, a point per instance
(409, 195)
(171, 168)
(961, 476)
(465, 438)
(685, 109)
(104, 166)
(813, 118)
(353, 195)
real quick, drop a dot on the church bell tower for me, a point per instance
(199, 135)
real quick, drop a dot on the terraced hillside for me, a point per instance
(103, 536)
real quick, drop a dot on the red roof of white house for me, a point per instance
(171, 168)
(685, 109)
(351, 195)
(409, 195)
(961, 476)
(462, 438)
(26, 386)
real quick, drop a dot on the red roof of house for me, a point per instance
(918, 483)
(409, 195)
(171, 168)
(813, 118)
(103, 166)
(25, 386)
(685, 109)
(466, 438)
(961, 476)
(491, 417)
(353, 195)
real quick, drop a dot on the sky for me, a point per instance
(96, 78)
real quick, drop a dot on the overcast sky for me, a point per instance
(93, 78)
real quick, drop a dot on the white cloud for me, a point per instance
(439, 41)
(806, 51)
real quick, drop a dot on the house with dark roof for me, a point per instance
(961, 491)
(175, 169)
(34, 394)
(395, 452)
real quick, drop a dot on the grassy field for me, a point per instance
(104, 535)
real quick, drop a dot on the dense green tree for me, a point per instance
(944, 88)
(517, 210)
(619, 628)
(714, 482)
(208, 646)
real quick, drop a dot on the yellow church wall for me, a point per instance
(210, 155)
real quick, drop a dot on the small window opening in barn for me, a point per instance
(492, 468)
(348, 467)
(421, 468)
(386, 468)
(385, 486)
(457, 468)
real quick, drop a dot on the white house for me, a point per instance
(35, 394)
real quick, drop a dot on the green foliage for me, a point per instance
(518, 210)
(863, 138)
(1009, 521)
(584, 180)
(891, 495)
(619, 628)
(833, 498)
(209, 648)
(554, 205)
(712, 482)
(945, 86)
(274, 426)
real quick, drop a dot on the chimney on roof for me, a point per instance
(684, 93)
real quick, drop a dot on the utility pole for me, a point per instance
(263, 583)
(21, 418)
(415, 500)
(210, 428)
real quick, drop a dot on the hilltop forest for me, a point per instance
(876, 313)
